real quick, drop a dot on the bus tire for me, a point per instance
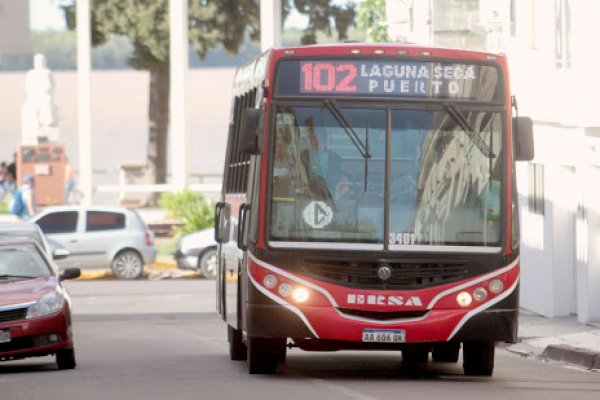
(447, 353)
(237, 348)
(263, 355)
(415, 356)
(478, 358)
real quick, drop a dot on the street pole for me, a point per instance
(270, 24)
(84, 67)
(178, 62)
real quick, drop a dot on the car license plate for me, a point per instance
(384, 335)
(5, 335)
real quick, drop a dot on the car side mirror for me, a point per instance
(249, 131)
(60, 254)
(523, 137)
(70, 273)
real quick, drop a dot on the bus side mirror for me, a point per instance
(523, 137)
(249, 131)
(222, 214)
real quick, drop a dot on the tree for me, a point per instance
(371, 18)
(321, 14)
(211, 23)
(146, 24)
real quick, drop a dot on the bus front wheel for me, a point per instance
(264, 354)
(478, 358)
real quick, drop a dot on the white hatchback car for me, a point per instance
(198, 251)
(100, 237)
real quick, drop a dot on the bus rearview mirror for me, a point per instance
(523, 136)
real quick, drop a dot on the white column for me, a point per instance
(84, 67)
(270, 24)
(178, 22)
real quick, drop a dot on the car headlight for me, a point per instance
(48, 304)
(185, 245)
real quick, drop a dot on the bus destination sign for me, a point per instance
(389, 78)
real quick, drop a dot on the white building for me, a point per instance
(552, 49)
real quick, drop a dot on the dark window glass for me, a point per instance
(59, 222)
(104, 221)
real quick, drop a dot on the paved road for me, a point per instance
(161, 340)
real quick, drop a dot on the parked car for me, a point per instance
(100, 237)
(198, 251)
(35, 309)
(25, 229)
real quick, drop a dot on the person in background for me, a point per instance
(23, 203)
(12, 169)
(3, 180)
(69, 180)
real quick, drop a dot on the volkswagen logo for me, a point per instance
(384, 272)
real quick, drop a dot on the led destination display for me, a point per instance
(389, 78)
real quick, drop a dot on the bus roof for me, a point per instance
(252, 73)
(386, 49)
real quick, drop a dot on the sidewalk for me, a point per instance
(561, 339)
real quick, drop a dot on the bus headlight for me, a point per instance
(496, 286)
(270, 281)
(464, 299)
(285, 289)
(480, 294)
(300, 295)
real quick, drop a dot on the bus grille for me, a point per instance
(404, 275)
(13, 315)
(384, 315)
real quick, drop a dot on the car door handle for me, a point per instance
(73, 241)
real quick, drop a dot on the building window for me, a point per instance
(536, 189)
(562, 14)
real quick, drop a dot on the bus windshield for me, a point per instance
(329, 180)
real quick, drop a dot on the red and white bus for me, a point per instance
(369, 202)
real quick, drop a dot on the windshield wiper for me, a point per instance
(337, 114)
(466, 126)
(8, 276)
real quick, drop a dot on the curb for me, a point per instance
(585, 358)
(106, 273)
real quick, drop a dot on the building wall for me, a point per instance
(560, 250)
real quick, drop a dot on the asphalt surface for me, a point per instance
(162, 340)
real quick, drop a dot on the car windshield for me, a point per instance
(329, 176)
(22, 261)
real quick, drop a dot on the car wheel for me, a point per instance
(207, 264)
(65, 359)
(128, 265)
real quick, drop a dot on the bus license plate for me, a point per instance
(5, 335)
(384, 336)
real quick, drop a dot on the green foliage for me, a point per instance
(190, 208)
(321, 15)
(372, 19)
(3, 207)
(146, 24)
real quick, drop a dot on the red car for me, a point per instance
(35, 308)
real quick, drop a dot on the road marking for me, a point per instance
(344, 390)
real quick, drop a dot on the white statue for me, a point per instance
(39, 120)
